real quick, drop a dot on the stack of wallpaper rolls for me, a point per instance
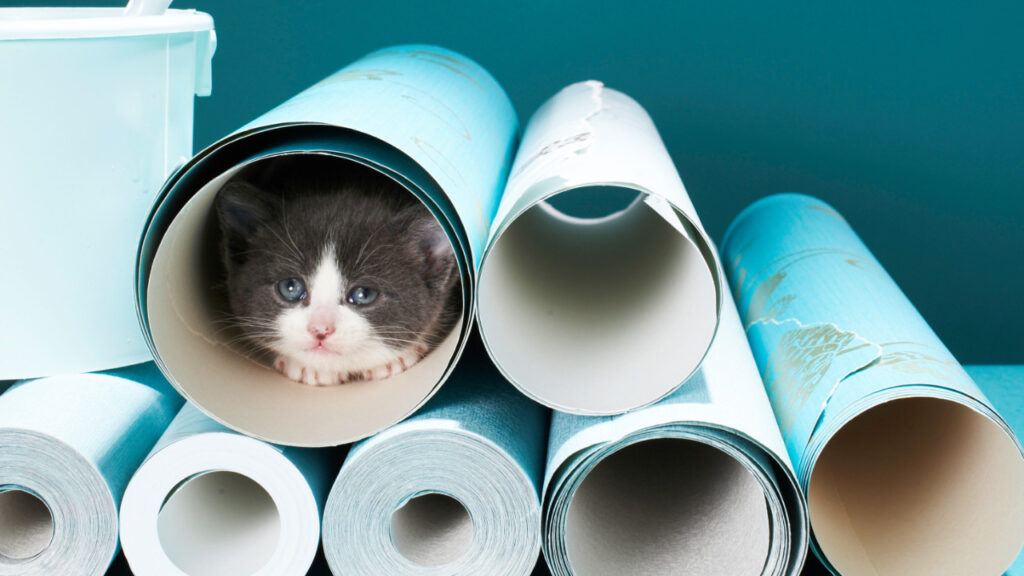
(629, 403)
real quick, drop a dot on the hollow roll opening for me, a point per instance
(26, 524)
(192, 332)
(219, 524)
(432, 530)
(592, 203)
(667, 507)
(573, 310)
(919, 486)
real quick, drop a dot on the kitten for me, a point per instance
(336, 271)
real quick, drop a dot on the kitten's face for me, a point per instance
(351, 283)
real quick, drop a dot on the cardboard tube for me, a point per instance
(918, 474)
(573, 303)
(446, 140)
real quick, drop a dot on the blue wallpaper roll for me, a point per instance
(432, 120)
(698, 483)
(908, 469)
(68, 446)
(452, 490)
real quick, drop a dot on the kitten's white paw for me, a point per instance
(406, 360)
(305, 374)
(290, 369)
(311, 376)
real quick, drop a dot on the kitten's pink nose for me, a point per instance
(321, 330)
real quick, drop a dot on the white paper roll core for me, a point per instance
(217, 512)
(573, 309)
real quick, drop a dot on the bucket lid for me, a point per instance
(53, 23)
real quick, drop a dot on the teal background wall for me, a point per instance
(907, 117)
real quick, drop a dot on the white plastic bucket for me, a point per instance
(95, 112)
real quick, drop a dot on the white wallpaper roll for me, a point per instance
(68, 445)
(575, 309)
(212, 502)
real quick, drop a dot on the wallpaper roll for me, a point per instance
(908, 469)
(575, 302)
(1004, 386)
(430, 119)
(453, 490)
(68, 445)
(95, 112)
(210, 501)
(698, 483)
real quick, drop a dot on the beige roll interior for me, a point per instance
(919, 487)
(241, 392)
(597, 316)
(668, 507)
(432, 529)
(26, 524)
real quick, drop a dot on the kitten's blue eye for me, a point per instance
(291, 289)
(362, 295)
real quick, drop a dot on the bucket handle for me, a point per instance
(146, 7)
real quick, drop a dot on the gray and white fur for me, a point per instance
(334, 271)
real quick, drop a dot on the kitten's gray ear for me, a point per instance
(241, 208)
(439, 266)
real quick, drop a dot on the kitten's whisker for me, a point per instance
(425, 341)
(243, 320)
(245, 344)
(372, 252)
(252, 324)
(362, 249)
(287, 230)
(295, 252)
(250, 328)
